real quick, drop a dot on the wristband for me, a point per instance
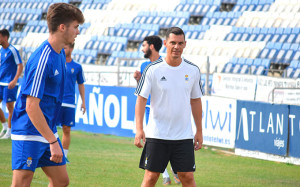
(54, 142)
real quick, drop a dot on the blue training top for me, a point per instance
(73, 73)
(43, 78)
(143, 66)
(9, 59)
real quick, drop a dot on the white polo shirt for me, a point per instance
(171, 90)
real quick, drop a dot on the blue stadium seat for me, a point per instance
(280, 55)
(237, 68)
(264, 53)
(231, 35)
(296, 71)
(256, 63)
(296, 55)
(90, 58)
(288, 57)
(264, 67)
(220, 18)
(252, 5)
(246, 67)
(194, 31)
(228, 68)
(135, 32)
(111, 59)
(106, 44)
(292, 68)
(164, 19)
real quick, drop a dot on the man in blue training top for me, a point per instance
(150, 47)
(66, 118)
(35, 141)
(11, 68)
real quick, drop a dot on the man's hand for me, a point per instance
(12, 84)
(83, 109)
(140, 135)
(198, 140)
(137, 75)
(56, 153)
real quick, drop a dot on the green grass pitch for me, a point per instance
(104, 160)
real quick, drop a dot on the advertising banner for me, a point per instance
(234, 86)
(286, 96)
(294, 133)
(110, 110)
(266, 85)
(262, 127)
(218, 121)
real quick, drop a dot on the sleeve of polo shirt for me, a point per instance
(197, 90)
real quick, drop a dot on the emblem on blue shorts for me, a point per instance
(29, 161)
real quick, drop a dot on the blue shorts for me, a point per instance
(67, 116)
(29, 155)
(8, 95)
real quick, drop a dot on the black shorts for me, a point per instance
(157, 153)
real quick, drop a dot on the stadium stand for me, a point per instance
(164, 19)
(20, 15)
(134, 32)
(96, 4)
(6, 24)
(133, 62)
(36, 26)
(195, 31)
(239, 36)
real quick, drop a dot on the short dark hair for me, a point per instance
(63, 13)
(174, 30)
(155, 40)
(4, 32)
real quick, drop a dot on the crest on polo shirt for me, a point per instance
(186, 78)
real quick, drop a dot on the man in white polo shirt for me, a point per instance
(175, 87)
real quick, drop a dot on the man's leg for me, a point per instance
(2, 117)
(183, 162)
(187, 179)
(66, 138)
(3, 121)
(176, 178)
(10, 107)
(166, 178)
(22, 178)
(154, 160)
(57, 175)
(150, 178)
